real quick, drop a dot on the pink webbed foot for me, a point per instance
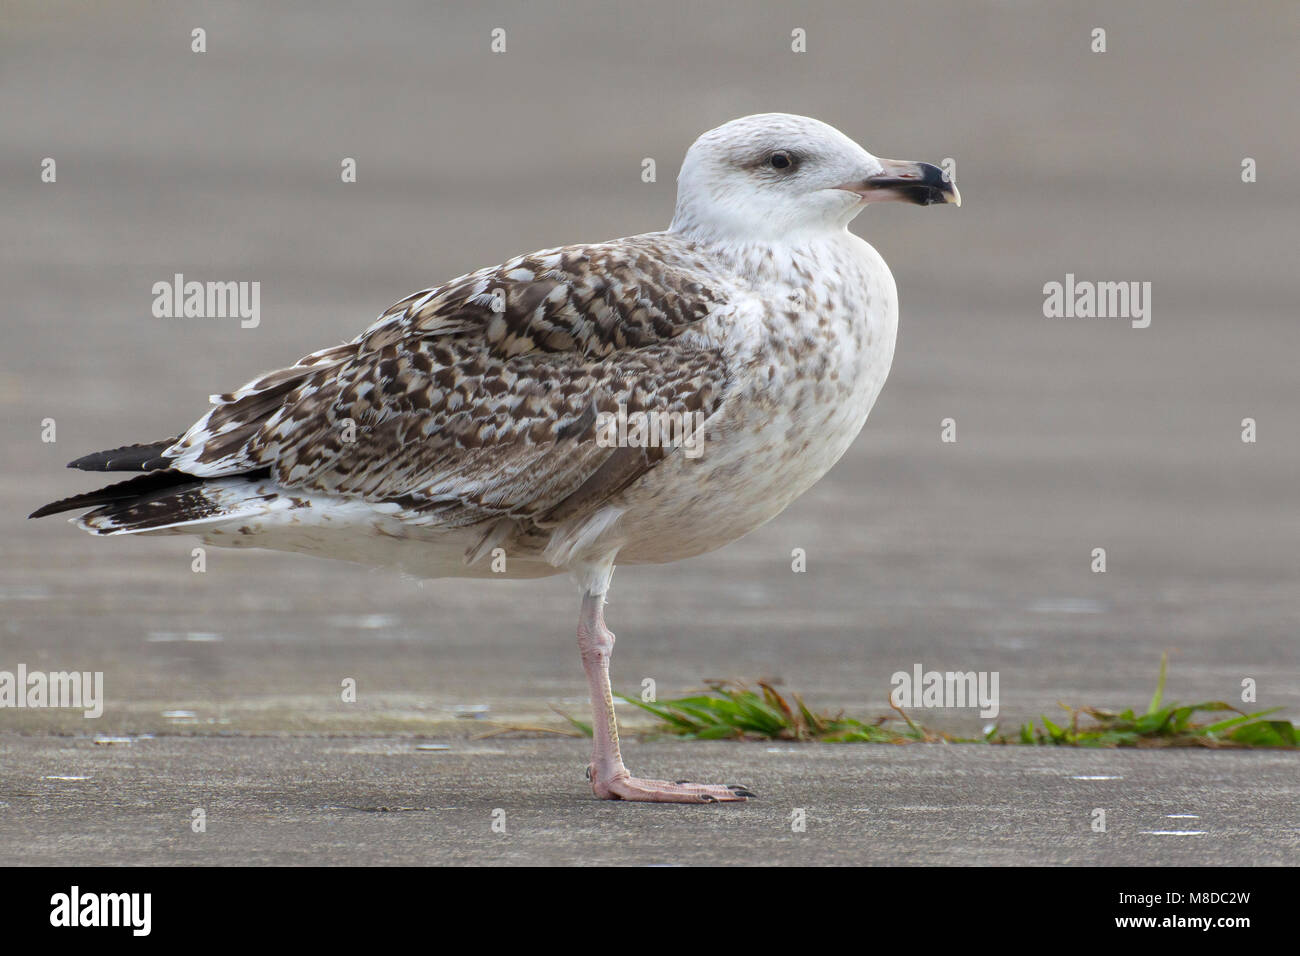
(642, 790)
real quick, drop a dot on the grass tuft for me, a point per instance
(731, 710)
(1163, 725)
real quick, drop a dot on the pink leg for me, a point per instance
(609, 778)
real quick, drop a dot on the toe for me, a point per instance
(641, 790)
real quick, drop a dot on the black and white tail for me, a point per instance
(160, 498)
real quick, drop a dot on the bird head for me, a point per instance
(776, 176)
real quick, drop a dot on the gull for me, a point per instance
(642, 400)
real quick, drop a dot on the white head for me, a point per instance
(775, 176)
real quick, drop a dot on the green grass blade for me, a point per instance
(1160, 684)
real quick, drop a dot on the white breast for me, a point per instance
(810, 349)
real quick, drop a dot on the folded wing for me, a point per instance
(478, 399)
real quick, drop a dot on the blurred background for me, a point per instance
(1072, 434)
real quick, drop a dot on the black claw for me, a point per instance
(705, 798)
(587, 772)
(741, 791)
(683, 781)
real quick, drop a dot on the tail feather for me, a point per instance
(160, 499)
(186, 506)
(141, 487)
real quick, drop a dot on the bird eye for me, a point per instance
(781, 160)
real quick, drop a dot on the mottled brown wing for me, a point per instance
(481, 399)
(593, 299)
